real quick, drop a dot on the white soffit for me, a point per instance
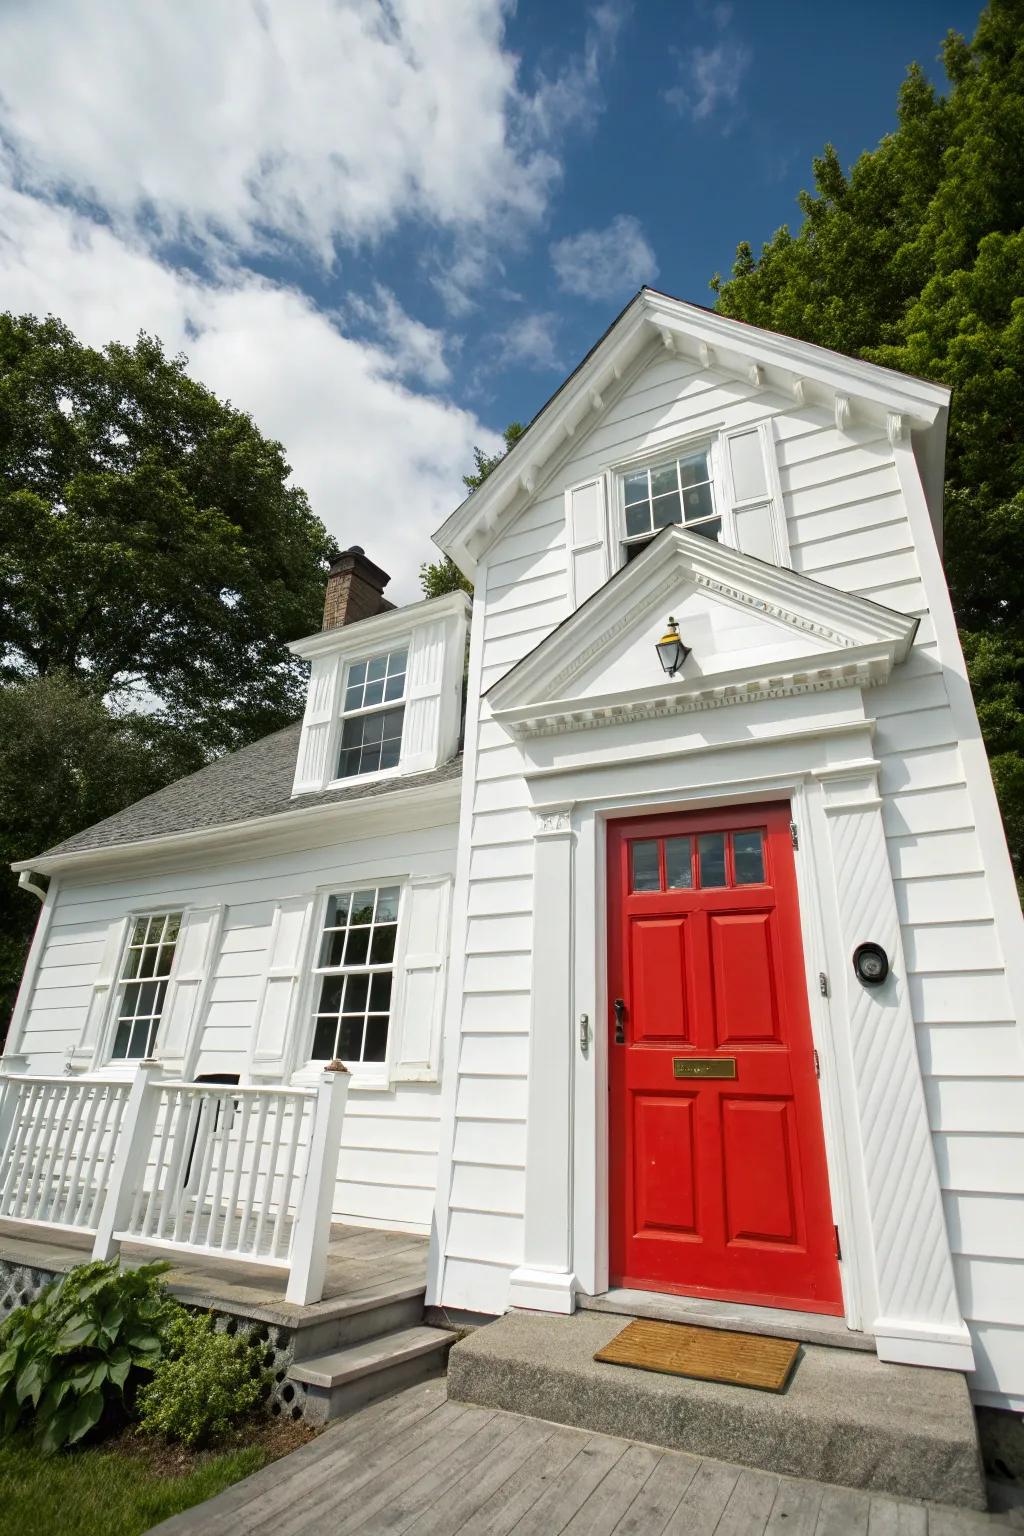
(809, 374)
(854, 641)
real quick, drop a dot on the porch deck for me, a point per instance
(366, 1268)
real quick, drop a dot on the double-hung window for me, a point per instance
(678, 490)
(373, 714)
(354, 976)
(142, 986)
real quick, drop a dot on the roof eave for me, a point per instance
(228, 835)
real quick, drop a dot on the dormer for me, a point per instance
(385, 683)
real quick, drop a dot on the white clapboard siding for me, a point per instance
(247, 982)
(846, 526)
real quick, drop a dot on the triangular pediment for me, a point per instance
(655, 325)
(751, 627)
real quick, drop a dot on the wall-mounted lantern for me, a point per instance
(671, 650)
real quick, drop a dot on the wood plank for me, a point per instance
(750, 1504)
(705, 1500)
(451, 1506)
(843, 1512)
(296, 1506)
(659, 1498)
(615, 1493)
(317, 1461)
(415, 1484)
(521, 1491)
(557, 1505)
(796, 1507)
(888, 1517)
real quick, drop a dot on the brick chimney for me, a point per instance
(355, 589)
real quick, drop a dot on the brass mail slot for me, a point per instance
(704, 1066)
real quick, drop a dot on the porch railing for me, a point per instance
(227, 1172)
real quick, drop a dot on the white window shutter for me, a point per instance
(586, 537)
(312, 769)
(424, 682)
(86, 1053)
(195, 958)
(420, 1004)
(273, 1041)
(755, 494)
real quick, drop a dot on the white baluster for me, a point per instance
(22, 1098)
(34, 1113)
(224, 1114)
(268, 1183)
(236, 1177)
(102, 1154)
(206, 1124)
(183, 1168)
(159, 1168)
(253, 1177)
(46, 1195)
(80, 1095)
(295, 1107)
(72, 1203)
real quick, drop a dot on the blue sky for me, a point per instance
(387, 232)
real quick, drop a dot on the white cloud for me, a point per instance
(531, 341)
(414, 350)
(571, 98)
(257, 121)
(605, 263)
(382, 463)
(709, 76)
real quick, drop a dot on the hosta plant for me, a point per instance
(74, 1351)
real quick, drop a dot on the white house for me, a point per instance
(688, 956)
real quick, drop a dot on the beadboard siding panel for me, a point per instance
(388, 1166)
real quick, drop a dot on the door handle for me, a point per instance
(620, 1021)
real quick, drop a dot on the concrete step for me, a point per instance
(344, 1379)
(845, 1417)
(805, 1327)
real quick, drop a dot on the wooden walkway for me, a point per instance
(419, 1464)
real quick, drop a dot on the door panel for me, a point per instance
(743, 979)
(718, 1179)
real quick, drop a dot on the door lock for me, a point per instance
(620, 1021)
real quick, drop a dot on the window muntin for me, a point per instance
(680, 490)
(355, 976)
(142, 989)
(373, 716)
(707, 861)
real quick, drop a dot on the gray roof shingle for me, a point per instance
(254, 782)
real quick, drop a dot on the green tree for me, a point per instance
(440, 576)
(915, 259)
(66, 761)
(154, 560)
(150, 544)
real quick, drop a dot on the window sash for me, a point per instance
(370, 1019)
(390, 665)
(144, 974)
(656, 467)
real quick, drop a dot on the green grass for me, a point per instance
(104, 1492)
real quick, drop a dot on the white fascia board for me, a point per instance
(918, 399)
(395, 811)
(356, 638)
(840, 618)
(923, 405)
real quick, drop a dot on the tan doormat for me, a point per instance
(707, 1354)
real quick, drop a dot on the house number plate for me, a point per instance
(704, 1066)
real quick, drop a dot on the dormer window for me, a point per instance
(373, 715)
(678, 490)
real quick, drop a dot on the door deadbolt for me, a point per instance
(620, 1021)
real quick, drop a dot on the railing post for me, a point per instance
(128, 1168)
(12, 1066)
(312, 1231)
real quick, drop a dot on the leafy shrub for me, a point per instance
(206, 1383)
(72, 1352)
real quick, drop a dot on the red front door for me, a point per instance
(718, 1178)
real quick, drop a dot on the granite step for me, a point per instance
(846, 1417)
(805, 1327)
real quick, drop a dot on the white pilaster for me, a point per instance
(545, 1279)
(919, 1321)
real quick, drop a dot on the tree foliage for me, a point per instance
(915, 259)
(154, 560)
(441, 576)
(150, 545)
